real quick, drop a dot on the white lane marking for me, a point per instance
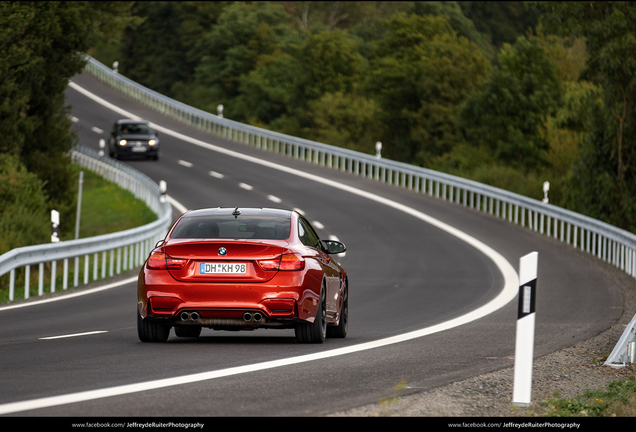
(216, 174)
(185, 163)
(274, 199)
(508, 293)
(74, 119)
(97, 130)
(245, 186)
(318, 225)
(73, 335)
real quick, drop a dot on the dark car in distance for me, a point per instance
(132, 138)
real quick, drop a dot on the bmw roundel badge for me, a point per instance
(222, 251)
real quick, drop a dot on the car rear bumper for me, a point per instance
(285, 299)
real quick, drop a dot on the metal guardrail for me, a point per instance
(119, 251)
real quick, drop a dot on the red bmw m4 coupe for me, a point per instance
(243, 269)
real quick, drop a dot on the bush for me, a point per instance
(23, 213)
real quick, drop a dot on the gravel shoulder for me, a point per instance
(565, 373)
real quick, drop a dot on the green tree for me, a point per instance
(159, 48)
(283, 89)
(609, 29)
(267, 92)
(40, 50)
(232, 48)
(23, 218)
(501, 22)
(154, 53)
(506, 115)
(347, 120)
(317, 16)
(605, 177)
(419, 75)
(463, 25)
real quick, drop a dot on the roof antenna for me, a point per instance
(236, 213)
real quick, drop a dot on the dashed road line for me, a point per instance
(73, 335)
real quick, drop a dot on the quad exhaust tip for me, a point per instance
(249, 316)
(193, 316)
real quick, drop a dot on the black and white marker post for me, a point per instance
(524, 346)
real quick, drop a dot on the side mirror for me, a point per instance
(333, 247)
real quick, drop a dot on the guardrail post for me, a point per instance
(53, 275)
(11, 284)
(27, 281)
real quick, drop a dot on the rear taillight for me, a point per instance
(161, 261)
(285, 262)
(292, 262)
(273, 264)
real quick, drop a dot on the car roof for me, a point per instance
(247, 211)
(128, 121)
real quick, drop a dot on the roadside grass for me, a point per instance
(106, 208)
(619, 400)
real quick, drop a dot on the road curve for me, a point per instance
(407, 273)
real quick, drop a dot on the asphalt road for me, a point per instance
(405, 275)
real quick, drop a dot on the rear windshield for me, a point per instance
(229, 227)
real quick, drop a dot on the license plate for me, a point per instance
(223, 268)
(139, 149)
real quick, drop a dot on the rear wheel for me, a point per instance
(315, 332)
(340, 331)
(150, 331)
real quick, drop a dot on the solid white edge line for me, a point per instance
(509, 292)
(176, 204)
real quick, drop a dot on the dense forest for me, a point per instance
(506, 93)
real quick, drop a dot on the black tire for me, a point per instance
(340, 331)
(187, 331)
(150, 331)
(315, 332)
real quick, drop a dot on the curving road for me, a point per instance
(412, 283)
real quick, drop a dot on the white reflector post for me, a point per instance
(524, 346)
(55, 226)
